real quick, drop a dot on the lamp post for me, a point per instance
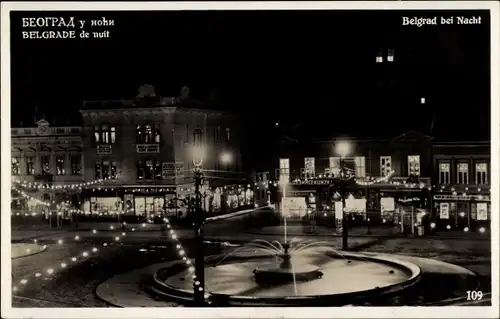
(198, 222)
(343, 148)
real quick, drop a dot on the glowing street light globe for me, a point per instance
(343, 148)
(226, 158)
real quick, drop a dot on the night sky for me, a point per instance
(315, 68)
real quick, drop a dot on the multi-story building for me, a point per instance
(461, 185)
(44, 156)
(401, 167)
(143, 148)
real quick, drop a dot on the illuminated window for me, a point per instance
(481, 173)
(60, 170)
(359, 166)
(104, 134)
(385, 165)
(30, 165)
(113, 170)
(148, 134)
(76, 164)
(97, 170)
(444, 173)
(45, 163)
(462, 173)
(106, 169)
(113, 134)
(16, 166)
(285, 168)
(390, 55)
(140, 170)
(309, 166)
(334, 165)
(414, 165)
(149, 174)
(157, 170)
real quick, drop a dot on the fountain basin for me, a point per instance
(269, 274)
(241, 280)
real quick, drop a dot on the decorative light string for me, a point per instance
(83, 255)
(38, 185)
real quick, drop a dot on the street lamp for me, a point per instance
(226, 158)
(343, 149)
(199, 220)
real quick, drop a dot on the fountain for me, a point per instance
(270, 274)
(263, 273)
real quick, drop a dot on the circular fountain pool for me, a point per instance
(272, 275)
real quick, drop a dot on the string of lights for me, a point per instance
(39, 185)
(88, 253)
(83, 255)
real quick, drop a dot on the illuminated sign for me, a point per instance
(313, 182)
(103, 149)
(444, 211)
(148, 148)
(462, 197)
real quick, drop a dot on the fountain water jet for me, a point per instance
(286, 271)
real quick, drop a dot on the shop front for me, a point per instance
(462, 212)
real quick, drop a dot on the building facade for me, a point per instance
(42, 156)
(384, 175)
(461, 185)
(143, 148)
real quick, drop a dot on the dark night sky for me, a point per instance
(316, 68)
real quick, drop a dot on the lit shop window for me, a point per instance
(385, 165)
(444, 173)
(462, 173)
(414, 165)
(481, 173)
(16, 166)
(60, 170)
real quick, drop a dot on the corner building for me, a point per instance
(142, 147)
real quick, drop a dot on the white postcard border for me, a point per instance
(342, 312)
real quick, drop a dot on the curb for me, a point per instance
(43, 248)
(163, 290)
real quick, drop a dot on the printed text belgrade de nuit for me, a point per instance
(64, 28)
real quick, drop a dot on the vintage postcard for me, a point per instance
(250, 159)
